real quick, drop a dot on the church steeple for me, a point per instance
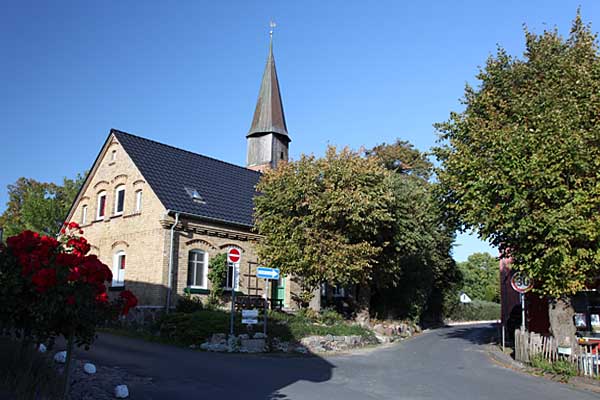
(268, 137)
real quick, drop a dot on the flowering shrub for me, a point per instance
(51, 287)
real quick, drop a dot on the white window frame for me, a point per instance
(204, 263)
(118, 272)
(84, 210)
(98, 208)
(118, 189)
(138, 201)
(236, 269)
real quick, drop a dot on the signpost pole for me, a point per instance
(522, 312)
(266, 307)
(232, 302)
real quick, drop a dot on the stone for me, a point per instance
(192, 346)
(42, 348)
(89, 368)
(60, 357)
(244, 336)
(260, 335)
(121, 392)
(301, 349)
(219, 347)
(218, 338)
(204, 346)
(252, 345)
(378, 328)
(233, 344)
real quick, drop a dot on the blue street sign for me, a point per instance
(267, 273)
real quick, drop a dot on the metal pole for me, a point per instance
(266, 307)
(232, 301)
(522, 312)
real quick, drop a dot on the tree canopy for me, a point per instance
(520, 165)
(322, 218)
(38, 206)
(481, 277)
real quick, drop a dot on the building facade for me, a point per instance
(157, 214)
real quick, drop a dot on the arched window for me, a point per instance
(138, 201)
(119, 199)
(84, 209)
(118, 269)
(101, 205)
(197, 269)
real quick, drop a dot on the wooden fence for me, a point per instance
(529, 344)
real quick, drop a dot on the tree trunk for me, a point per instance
(561, 312)
(363, 305)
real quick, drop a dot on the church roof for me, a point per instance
(194, 184)
(268, 114)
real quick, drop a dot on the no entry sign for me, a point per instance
(233, 255)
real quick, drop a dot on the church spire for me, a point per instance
(268, 114)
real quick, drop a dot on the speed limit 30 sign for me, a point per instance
(521, 282)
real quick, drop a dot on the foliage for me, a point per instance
(217, 275)
(477, 310)
(481, 277)
(321, 218)
(188, 304)
(38, 206)
(27, 373)
(563, 368)
(520, 164)
(419, 270)
(194, 328)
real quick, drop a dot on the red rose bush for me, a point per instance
(51, 287)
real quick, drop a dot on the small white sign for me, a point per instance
(464, 298)
(250, 313)
(249, 321)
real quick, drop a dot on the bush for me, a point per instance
(189, 304)
(194, 328)
(478, 310)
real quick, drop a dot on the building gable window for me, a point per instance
(119, 199)
(113, 155)
(197, 269)
(138, 201)
(101, 205)
(119, 269)
(84, 214)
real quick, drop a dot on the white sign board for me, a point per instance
(250, 317)
(464, 298)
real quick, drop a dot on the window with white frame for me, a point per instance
(138, 201)
(233, 275)
(119, 269)
(84, 214)
(197, 269)
(119, 199)
(101, 206)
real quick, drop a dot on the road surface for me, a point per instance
(447, 363)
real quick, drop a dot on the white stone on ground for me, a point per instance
(60, 357)
(42, 348)
(121, 392)
(89, 368)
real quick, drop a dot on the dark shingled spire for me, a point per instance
(268, 115)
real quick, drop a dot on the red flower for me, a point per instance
(130, 301)
(44, 279)
(102, 298)
(67, 259)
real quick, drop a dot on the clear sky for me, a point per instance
(187, 73)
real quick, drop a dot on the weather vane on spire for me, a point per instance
(272, 25)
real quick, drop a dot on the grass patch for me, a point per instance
(560, 368)
(27, 373)
(185, 329)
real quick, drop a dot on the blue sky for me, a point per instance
(187, 73)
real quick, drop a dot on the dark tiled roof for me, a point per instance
(227, 190)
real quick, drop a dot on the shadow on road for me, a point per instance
(476, 334)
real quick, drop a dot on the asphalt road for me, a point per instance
(446, 363)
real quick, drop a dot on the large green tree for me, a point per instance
(520, 165)
(324, 219)
(38, 206)
(420, 273)
(481, 277)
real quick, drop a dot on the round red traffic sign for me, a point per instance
(233, 255)
(521, 282)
